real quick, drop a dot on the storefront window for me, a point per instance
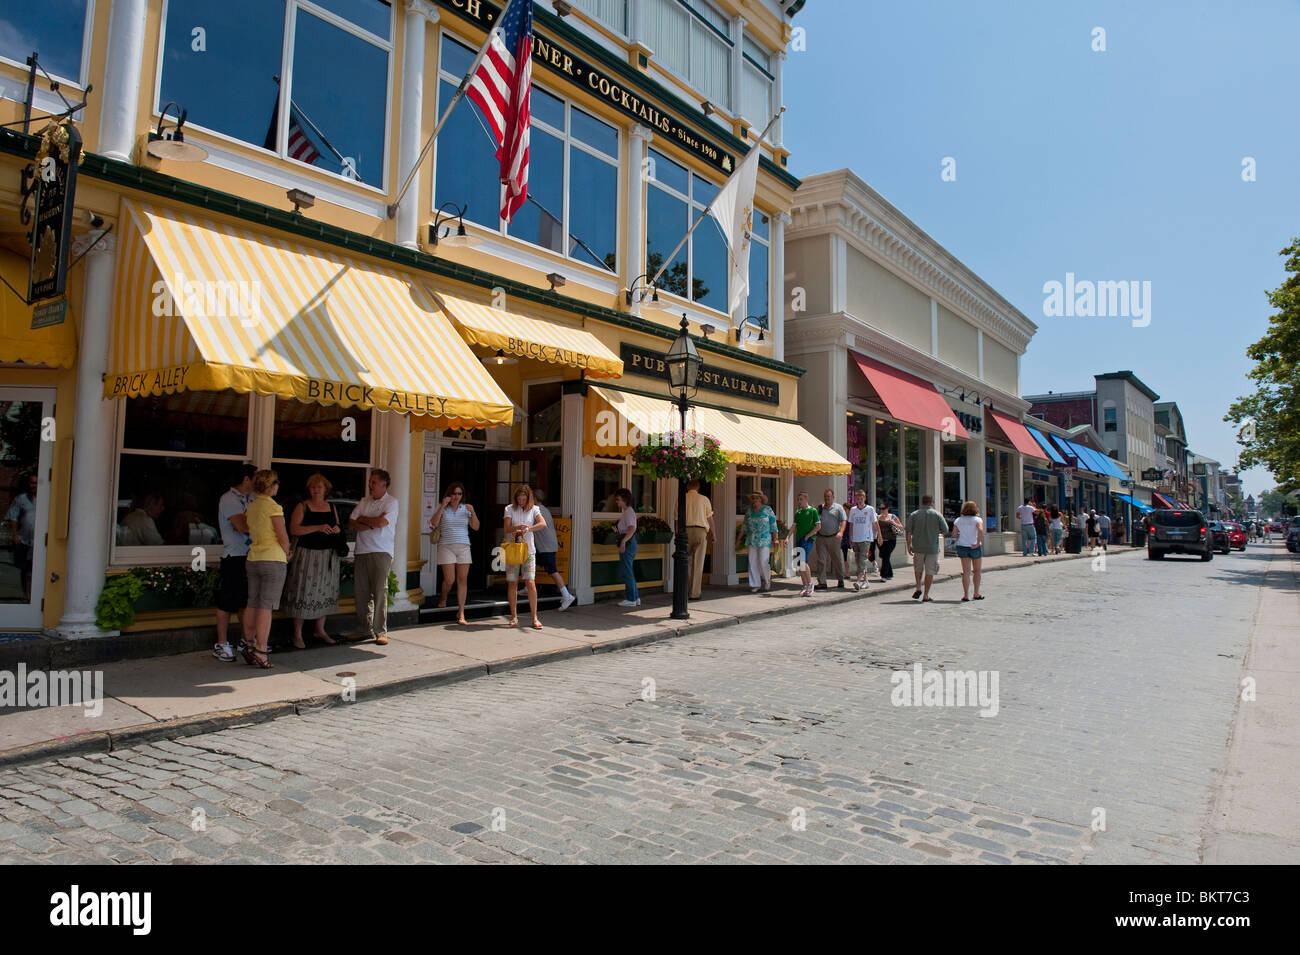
(223, 62)
(179, 453)
(857, 450)
(334, 441)
(608, 478)
(644, 497)
(912, 467)
(887, 463)
(990, 499)
(1004, 487)
(674, 198)
(55, 29)
(545, 402)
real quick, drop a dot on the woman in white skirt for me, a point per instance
(311, 591)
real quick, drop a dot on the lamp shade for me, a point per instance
(683, 362)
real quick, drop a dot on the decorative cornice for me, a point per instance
(639, 131)
(86, 244)
(840, 202)
(424, 9)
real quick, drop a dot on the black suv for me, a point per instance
(1178, 532)
(1222, 537)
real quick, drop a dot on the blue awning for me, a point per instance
(1046, 445)
(1095, 464)
(1132, 500)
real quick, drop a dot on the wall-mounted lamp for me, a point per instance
(647, 296)
(707, 107)
(300, 199)
(561, 8)
(169, 142)
(754, 320)
(500, 358)
(556, 280)
(442, 233)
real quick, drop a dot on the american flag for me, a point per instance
(500, 87)
(300, 146)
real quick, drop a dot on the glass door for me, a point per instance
(26, 446)
(954, 491)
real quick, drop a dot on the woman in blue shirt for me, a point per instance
(454, 519)
(759, 531)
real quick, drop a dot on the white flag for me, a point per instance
(734, 210)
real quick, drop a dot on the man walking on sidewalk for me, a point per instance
(699, 531)
(827, 549)
(925, 528)
(375, 521)
(1027, 534)
(865, 529)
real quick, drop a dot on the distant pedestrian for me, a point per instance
(827, 550)
(1103, 521)
(803, 531)
(453, 520)
(1040, 529)
(1117, 530)
(969, 531)
(1027, 536)
(626, 528)
(864, 526)
(268, 558)
(374, 519)
(759, 530)
(890, 528)
(925, 529)
(547, 546)
(523, 519)
(1093, 526)
(1057, 529)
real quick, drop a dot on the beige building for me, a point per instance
(913, 361)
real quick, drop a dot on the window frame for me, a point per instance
(697, 20)
(87, 35)
(568, 140)
(280, 152)
(694, 207)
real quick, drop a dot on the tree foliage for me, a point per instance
(1269, 419)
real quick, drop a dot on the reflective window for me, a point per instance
(608, 478)
(887, 463)
(545, 408)
(222, 64)
(572, 205)
(53, 29)
(643, 493)
(312, 432)
(189, 422)
(676, 197)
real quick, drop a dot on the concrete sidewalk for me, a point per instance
(186, 694)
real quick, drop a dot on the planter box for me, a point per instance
(605, 538)
(653, 537)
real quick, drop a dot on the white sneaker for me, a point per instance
(811, 587)
(223, 652)
(629, 603)
(567, 601)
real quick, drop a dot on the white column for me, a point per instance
(408, 498)
(724, 521)
(778, 98)
(635, 21)
(409, 213)
(634, 208)
(738, 71)
(777, 291)
(933, 467)
(90, 515)
(1018, 484)
(975, 471)
(839, 416)
(579, 474)
(787, 514)
(123, 63)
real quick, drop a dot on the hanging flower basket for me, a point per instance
(684, 455)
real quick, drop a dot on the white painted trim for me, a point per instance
(543, 260)
(15, 90)
(274, 171)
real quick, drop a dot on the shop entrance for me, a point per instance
(506, 471)
(470, 467)
(26, 440)
(954, 491)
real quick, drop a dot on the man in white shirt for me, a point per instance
(865, 529)
(1027, 534)
(375, 521)
(1104, 519)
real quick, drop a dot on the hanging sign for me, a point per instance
(54, 186)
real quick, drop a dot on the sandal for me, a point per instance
(927, 600)
(246, 652)
(514, 622)
(264, 664)
(462, 622)
(537, 625)
(980, 597)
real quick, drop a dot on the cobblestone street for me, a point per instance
(770, 743)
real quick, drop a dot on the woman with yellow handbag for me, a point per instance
(522, 518)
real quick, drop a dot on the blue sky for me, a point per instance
(1117, 165)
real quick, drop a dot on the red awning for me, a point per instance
(1017, 434)
(910, 398)
(1161, 499)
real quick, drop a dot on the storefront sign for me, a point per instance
(596, 82)
(563, 535)
(51, 313)
(54, 187)
(551, 353)
(972, 423)
(644, 361)
(1152, 474)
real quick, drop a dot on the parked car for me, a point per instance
(1236, 536)
(1219, 532)
(1275, 527)
(1178, 532)
(1293, 535)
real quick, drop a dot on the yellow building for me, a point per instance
(274, 303)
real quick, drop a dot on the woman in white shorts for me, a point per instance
(522, 519)
(454, 520)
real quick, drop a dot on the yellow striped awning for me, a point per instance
(53, 345)
(204, 306)
(527, 337)
(617, 421)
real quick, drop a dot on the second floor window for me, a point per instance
(675, 197)
(307, 81)
(53, 29)
(692, 42)
(756, 81)
(612, 13)
(572, 205)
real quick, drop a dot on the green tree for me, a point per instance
(1269, 419)
(1270, 503)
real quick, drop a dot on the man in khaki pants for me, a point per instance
(699, 531)
(375, 521)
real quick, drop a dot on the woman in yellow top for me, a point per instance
(268, 558)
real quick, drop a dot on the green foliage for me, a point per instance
(1269, 418)
(392, 588)
(682, 455)
(115, 608)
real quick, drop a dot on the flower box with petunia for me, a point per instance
(684, 455)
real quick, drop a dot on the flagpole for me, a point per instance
(705, 213)
(460, 92)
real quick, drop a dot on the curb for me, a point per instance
(106, 742)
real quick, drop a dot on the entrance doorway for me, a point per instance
(26, 443)
(954, 491)
(470, 467)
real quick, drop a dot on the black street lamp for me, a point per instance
(683, 372)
